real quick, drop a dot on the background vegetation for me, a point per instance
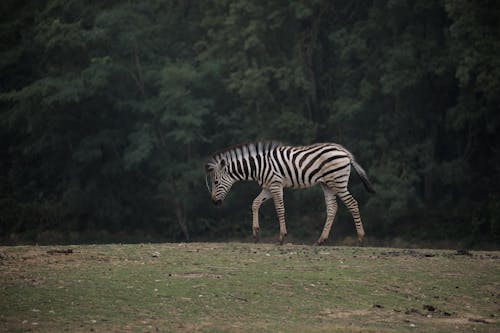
(108, 110)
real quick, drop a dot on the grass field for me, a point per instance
(237, 287)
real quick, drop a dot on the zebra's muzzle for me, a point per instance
(217, 202)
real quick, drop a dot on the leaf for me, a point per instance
(141, 144)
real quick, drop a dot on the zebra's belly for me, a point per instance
(301, 183)
(298, 185)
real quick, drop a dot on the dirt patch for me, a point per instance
(432, 313)
(429, 311)
(340, 314)
(60, 251)
(194, 275)
(428, 254)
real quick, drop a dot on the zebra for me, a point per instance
(276, 166)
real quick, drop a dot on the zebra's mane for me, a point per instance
(269, 144)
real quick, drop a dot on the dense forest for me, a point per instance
(108, 110)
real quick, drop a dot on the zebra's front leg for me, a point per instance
(331, 210)
(263, 196)
(277, 193)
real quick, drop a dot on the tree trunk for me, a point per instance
(181, 219)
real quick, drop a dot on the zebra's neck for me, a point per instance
(246, 161)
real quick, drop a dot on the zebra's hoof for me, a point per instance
(256, 236)
(282, 238)
(319, 242)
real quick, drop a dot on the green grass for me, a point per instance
(232, 287)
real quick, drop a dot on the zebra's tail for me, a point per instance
(362, 174)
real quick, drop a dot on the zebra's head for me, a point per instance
(217, 172)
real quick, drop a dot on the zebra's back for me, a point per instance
(305, 166)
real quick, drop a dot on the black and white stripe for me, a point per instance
(275, 166)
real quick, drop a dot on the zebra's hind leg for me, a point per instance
(352, 204)
(277, 193)
(331, 210)
(263, 196)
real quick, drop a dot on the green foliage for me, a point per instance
(108, 110)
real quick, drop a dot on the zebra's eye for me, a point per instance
(216, 182)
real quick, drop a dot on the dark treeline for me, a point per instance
(108, 110)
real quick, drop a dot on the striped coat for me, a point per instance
(275, 166)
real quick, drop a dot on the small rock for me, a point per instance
(463, 252)
(429, 308)
(3, 255)
(60, 251)
(479, 320)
